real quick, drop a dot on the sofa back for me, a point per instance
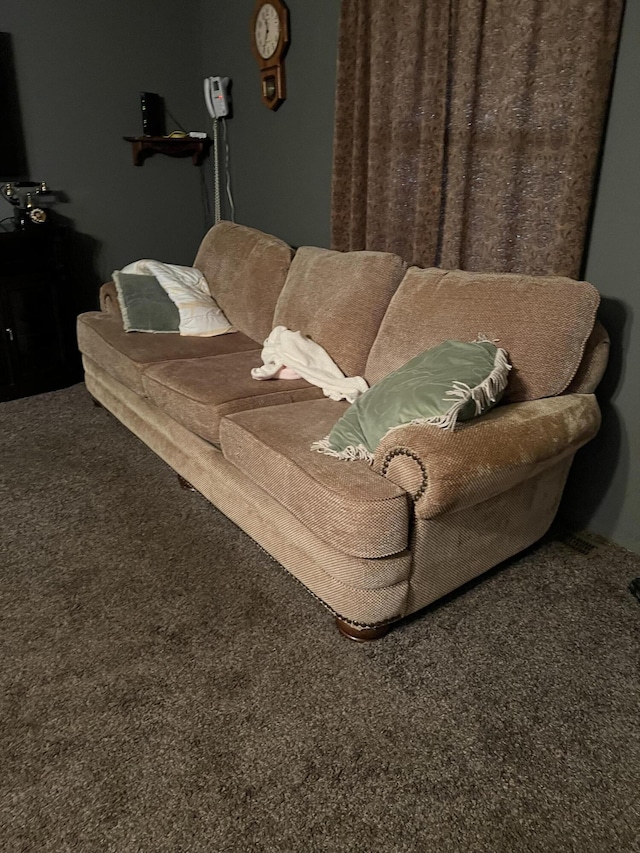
(338, 299)
(245, 270)
(544, 323)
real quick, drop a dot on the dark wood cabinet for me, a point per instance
(37, 349)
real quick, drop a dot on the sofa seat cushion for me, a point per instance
(125, 355)
(199, 392)
(348, 505)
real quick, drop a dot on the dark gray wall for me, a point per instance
(80, 67)
(604, 491)
(281, 161)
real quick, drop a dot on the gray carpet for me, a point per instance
(156, 702)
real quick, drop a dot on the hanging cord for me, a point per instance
(173, 118)
(205, 195)
(216, 173)
(227, 167)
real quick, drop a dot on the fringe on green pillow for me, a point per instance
(452, 382)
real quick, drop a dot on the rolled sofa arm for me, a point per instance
(109, 300)
(449, 470)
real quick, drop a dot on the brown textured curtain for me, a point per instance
(468, 131)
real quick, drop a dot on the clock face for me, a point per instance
(267, 32)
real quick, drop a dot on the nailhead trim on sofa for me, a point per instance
(404, 451)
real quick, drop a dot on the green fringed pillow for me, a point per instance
(145, 304)
(452, 382)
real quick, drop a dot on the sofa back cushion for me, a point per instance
(543, 322)
(245, 270)
(594, 362)
(338, 299)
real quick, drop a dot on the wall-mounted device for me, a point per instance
(216, 96)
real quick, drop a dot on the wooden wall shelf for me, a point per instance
(143, 146)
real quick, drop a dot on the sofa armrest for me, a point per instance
(109, 300)
(446, 471)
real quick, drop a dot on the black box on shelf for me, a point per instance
(152, 107)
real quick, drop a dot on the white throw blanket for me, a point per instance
(309, 360)
(187, 288)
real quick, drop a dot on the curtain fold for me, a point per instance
(468, 131)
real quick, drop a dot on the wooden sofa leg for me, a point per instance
(185, 484)
(361, 635)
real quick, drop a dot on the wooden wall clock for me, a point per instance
(269, 42)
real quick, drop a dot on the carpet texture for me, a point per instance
(152, 702)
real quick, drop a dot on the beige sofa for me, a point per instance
(437, 508)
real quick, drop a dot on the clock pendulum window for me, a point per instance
(269, 42)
